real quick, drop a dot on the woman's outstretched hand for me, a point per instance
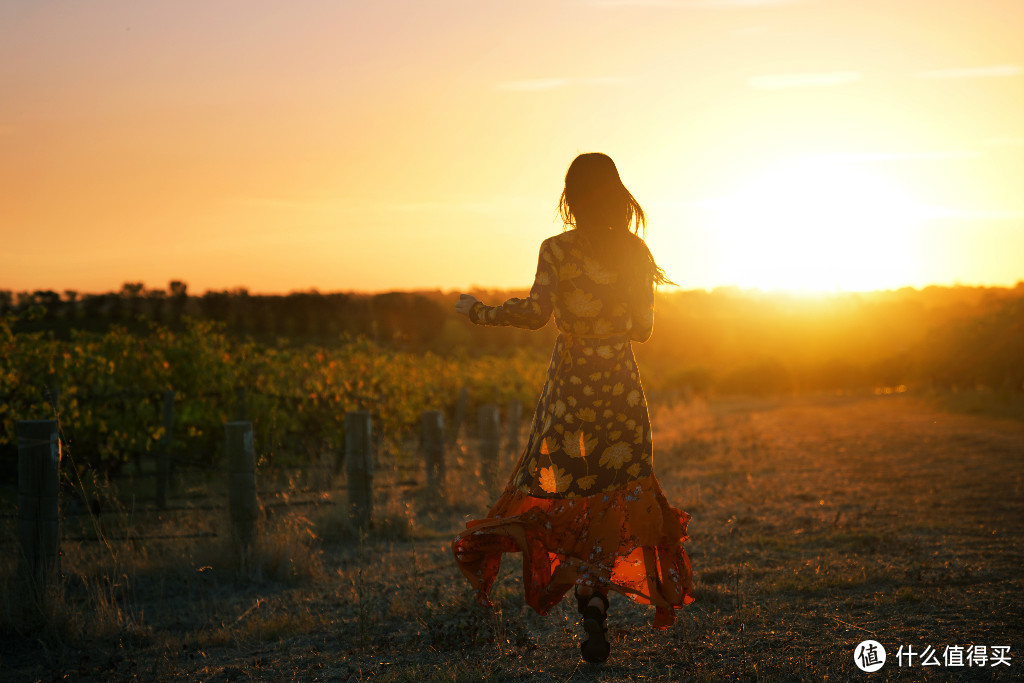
(465, 303)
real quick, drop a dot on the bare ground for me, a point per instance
(817, 523)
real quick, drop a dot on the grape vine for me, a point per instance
(108, 389)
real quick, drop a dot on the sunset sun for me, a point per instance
(816, 225)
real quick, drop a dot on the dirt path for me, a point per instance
(816, 524)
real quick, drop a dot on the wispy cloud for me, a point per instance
(692, 4)
(486, 207)
(483, 204)
(856, 157)
(289, 204)
(804, 80)
(1004, 142)
(540, 84)
(488, 204)
(533, 84)
(991, 71)
(747, 31)
(604, 80)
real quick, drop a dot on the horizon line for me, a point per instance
(240, 289)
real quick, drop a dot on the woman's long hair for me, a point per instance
(598, 205)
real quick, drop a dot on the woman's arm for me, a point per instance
(641, 309)
(532, 313)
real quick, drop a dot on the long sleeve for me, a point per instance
(532, 313)
(641, 313)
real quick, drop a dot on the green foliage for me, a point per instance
(111, 389)
(305, 359)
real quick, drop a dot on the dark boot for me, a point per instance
(595, 648)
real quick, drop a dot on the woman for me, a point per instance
(583, 505)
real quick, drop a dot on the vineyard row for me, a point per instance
(108, 392)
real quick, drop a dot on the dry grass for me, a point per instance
(816, 524)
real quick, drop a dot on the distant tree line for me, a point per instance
(399, 319)
(726, 340)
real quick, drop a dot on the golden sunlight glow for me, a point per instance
(816, 225)
(368, 146)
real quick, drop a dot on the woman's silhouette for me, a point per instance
(583, 505)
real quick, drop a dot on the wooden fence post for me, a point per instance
(163, 467)
(489, 427)
(515, 421)
(241, 455)
(433, 449)
(460, 413)
(359, 467)
(38, 502)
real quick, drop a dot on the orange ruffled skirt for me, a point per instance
(629, 540)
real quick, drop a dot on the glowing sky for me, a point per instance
(406, 144)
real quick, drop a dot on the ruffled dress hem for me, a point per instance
(628, 540)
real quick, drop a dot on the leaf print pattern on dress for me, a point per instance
(616, 455)
(599, 274)
(577, 444)
(592, 383)
(583, 304)
(554, 479)
(583, 497)
(569, 271)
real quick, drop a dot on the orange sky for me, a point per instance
(400, 145)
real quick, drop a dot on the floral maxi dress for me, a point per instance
(583, 504)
